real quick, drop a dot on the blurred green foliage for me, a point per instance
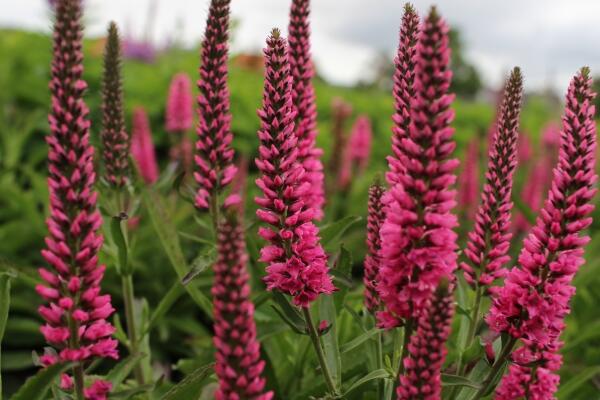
(181, 339)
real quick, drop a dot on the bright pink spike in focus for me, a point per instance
(422, 378)
(303, 98)
(489, 240)
(214, 155)
(297, 264)
(73, 275)
(534, 300)
(403, 91)
(418, 243)
(239, 365)
(372, 264)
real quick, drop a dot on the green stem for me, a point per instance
(79, 381)
(489, 380)
(78, 374)
(214, 212)
(408, 329)
(314, 336)
(473, 322)
(128, 296)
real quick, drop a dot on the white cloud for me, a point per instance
(550, 41)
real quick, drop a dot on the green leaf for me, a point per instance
(36, 387)
(343, 267)
(131, 393)
(332, 232)
(200, 264)
(118, 236)
(167, 235)
(4, 306)
(377, 374)
(289, 313)
(190, 385)
(566, 389)
(122, 370)
(477, 374)
(330, 345)
(455, 380)
(357, 341)
(165, 305)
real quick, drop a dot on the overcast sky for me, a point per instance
(549, 39)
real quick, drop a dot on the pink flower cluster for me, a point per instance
(489, 240)
(534, 300)
(418, 243)
(214, 155)
(142, 146)
(239, 367)
(297, 264)
(179, 114)
(76, 313)
(375, 219)
(426, 349)
(303, 98)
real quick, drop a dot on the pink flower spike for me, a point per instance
(239, 366)
(418, 243)
(142, 146)
(422, 377)
(489, 241)
(297, 264)
(180, 109)
(532, 304)
(115, 140)
(73, 240)
(303, 98)
(375, 219)
(403, 91)
(214, 155)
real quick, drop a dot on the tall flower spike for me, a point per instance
(115, 140)
(303, 97)
(404, 77)
(532, 304)
(214, 155)
(489, 240)
(142, 146)
(179, 115)
(418, 243)
(422, 378)
(297, 264)
(340, 111)
(468, 180)
(357, 151)
(239, 366)
(76, 313)
(375, 219)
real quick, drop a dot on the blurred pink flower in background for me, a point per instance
(179, 113)
(468, 181)
(142, 146)
(357, 151)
